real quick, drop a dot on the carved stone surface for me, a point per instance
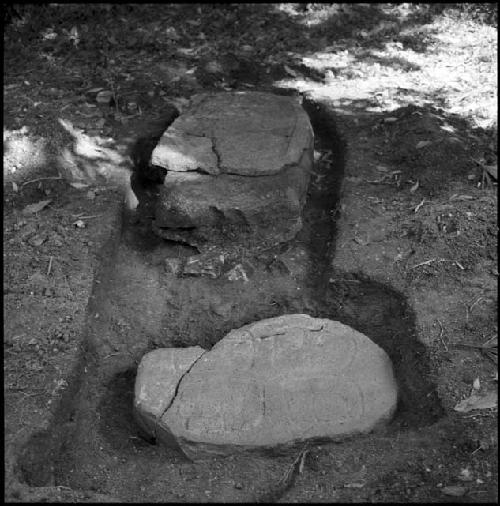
(278, 382)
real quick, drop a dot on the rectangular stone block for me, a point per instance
(238, 170)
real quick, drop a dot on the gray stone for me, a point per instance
(174, 265)
(237, 273)
(209, 263)
(278, 382)
(238, 169)
(157, 378)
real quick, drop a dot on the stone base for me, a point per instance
(238, 170)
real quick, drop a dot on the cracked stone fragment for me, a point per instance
(158, 376)
(276, 383)
(181, 152)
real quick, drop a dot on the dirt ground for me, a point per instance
(399, 241)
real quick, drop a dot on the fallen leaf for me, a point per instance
(131, 201)
(422, 144)
(465, 475)
(329, 77)
(290, 71)
(414, 188)
(390, 120)
(354, 485)
(78, 185)
(171, 33)
(37, 240)
(104, 97)
(454, 491)
(461, 197)
(74, 36)
(477, 384)
(487, 401)
(49, 34)
(213, 67)
(35, 208)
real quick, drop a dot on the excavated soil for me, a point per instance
(137, 305)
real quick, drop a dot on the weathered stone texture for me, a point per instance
(238, 169)
(277, 382)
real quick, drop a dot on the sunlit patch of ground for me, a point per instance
(454, 67)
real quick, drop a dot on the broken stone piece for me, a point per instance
(181, 152)
(209, 263)
(238, 169)
(174, 265)
(157, 377)
(271, 384)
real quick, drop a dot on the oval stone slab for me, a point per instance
(280, 381)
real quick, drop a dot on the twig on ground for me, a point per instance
(86, 217)
(287, 481)
(427, 262)
(417, 208)
(40, 179)
(468, 308)
(111, 355)
(489, 348)
(480, 298)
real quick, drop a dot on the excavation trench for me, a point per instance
(137, 305)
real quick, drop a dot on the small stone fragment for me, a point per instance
(104, 97)
(222, 309)
(173, 265)
(237, 273)
(209, 263)
(37, 240)
(454, 491)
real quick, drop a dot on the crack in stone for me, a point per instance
(216, 153)
(160, 416)
(291, 135)
(272, 335)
